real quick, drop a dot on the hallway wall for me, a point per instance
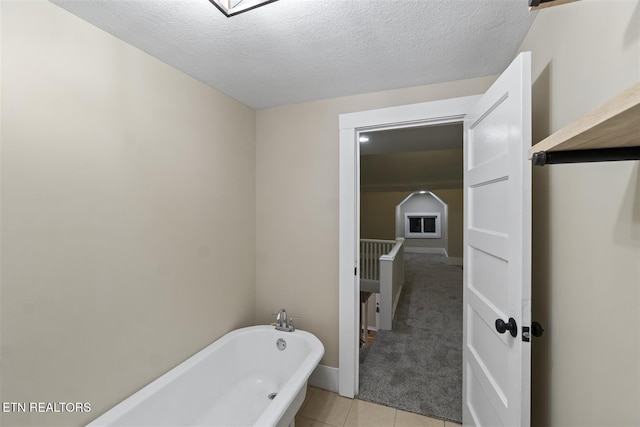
(377, 215)
(421, 203)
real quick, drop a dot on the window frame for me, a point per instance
(437, 234)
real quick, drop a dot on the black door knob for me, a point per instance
(537, 329)
(511, 326)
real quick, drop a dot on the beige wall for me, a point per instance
(412, 171)
(378, 214)
(297, 203)
(586, 241)
(128, 212)
(454, 198)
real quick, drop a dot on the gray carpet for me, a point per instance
(417, 366)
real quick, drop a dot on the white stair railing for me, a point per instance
(391, 281)
(370, 252)
(382, 261)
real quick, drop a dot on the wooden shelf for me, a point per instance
(614, 125)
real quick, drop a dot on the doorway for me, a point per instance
(351, 127)
(405, 173)
(497, 181)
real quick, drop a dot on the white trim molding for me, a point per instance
(325, 377)
(351, 124)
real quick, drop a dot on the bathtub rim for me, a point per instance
(271, 415)
(299, 379)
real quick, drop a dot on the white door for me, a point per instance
(497, 252)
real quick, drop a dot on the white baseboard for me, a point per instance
(417, 250)
(325, 377)
(452, 260)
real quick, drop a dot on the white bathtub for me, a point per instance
(228, 384)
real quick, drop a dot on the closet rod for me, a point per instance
(542, 158)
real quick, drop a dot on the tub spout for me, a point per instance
(284, 323)
(281, 319)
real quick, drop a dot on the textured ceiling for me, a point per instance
(293, 51)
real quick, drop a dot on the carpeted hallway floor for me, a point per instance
(417, 366)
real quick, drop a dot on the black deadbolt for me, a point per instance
(510, 326)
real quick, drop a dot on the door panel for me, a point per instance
(491, 277)
(479, 401)
(491, 136)
(488, 206)
(497, 251)
(483, 344)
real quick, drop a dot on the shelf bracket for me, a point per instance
(542, 158)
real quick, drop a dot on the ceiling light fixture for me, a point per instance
(233, 7)
(363, 139)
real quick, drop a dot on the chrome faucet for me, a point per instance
(284, 323)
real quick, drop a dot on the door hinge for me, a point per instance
(355, 271)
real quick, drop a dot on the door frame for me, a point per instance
(444, 111)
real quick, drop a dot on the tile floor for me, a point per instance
(323, 408)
